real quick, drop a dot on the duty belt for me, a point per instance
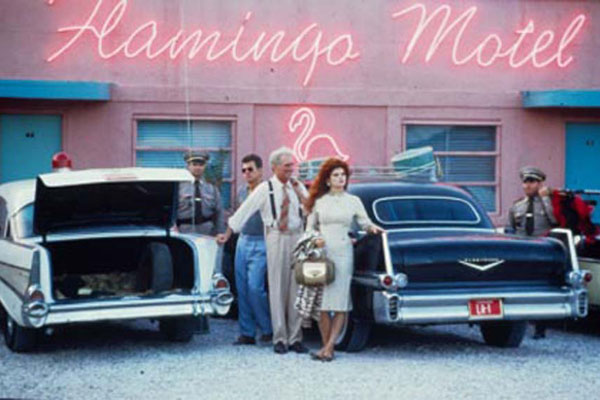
(190, 221)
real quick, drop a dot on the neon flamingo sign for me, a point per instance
(303, 121)
(306, 47)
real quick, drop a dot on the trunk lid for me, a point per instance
(460, 259)
(107, 197)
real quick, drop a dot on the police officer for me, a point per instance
(532, 215)
(200, 208)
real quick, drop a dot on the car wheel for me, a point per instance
(503, 333)
(179, 329)
(155, 270)
(17, 338)
(354, 335)
(2, 318)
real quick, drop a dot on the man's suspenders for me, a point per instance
(272, 200)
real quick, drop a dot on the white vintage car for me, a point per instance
(97, 245)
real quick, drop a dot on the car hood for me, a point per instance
(104, 197)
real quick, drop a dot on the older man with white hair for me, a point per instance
(279, 201)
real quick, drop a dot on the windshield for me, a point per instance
(425, 210)
(23, 222)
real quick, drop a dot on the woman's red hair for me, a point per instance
(319, 186)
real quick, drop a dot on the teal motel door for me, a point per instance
(27, 143)
(582, 169)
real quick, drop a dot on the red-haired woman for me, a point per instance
(332, 211)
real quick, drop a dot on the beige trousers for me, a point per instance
(285, 319)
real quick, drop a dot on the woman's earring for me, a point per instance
(328, 184)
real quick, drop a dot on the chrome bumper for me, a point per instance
(403, 309)
(173, 305)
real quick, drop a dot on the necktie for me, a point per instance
(529, 217)
(197, 202)
(285, 210)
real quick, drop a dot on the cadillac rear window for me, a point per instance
(425, 210)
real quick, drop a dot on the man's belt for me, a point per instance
(190, 221)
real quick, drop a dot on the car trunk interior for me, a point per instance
(104, 268)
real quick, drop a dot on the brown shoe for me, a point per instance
(244, 340)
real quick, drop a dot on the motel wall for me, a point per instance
(364, 103)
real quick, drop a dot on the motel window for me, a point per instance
(467, 155)
(161, 143)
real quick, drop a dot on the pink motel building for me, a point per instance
(491, 85)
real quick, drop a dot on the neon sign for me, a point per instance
(306, 47)
(303, 122)
(493, 41)
(310, 48)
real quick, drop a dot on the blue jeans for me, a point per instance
(250, 270)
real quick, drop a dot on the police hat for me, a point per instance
(201, 156)
(532, 173)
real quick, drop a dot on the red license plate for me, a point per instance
(485, 308)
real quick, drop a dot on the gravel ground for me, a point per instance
(130, 360)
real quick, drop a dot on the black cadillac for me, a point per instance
(442, 262)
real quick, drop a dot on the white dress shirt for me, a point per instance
(259, 200)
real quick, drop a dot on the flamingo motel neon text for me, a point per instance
(310, 47)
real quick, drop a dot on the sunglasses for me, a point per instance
(249, 169)
(198, 162)
(529, 180)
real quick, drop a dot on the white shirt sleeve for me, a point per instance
(254, 202)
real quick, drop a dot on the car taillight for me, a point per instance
(387, 281)
(587, 277)
(34, 293)
(35, 305)
(221, 283)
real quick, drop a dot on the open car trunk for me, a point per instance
(106, 268)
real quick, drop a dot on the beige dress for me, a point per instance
(332, 216)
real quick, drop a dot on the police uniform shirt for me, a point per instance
(210, 198)
(543, 217)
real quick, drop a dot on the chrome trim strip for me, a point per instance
(15, 267)
(443, 229)
(571, 244)
(387, 258)
(388, 198)
(481, 267)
